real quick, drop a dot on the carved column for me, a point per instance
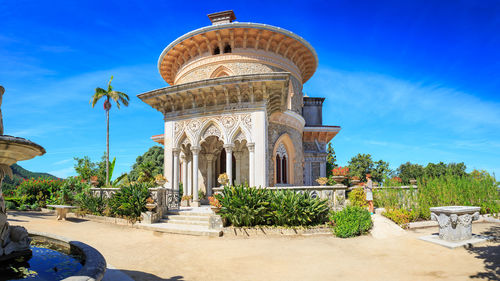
(184, 174)
(175, 183)
(237, 157)
(251, 164)
(210, 176)
(322, 169)
(190, 177)
(229, 162)
(195, 150)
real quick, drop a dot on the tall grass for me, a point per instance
(468, 190)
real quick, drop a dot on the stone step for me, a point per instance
(189, 213)
(187, 218)
(195, 230)
(186, 222)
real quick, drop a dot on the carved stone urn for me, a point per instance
(455, 222)
(338, 179)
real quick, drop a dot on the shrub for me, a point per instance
(250, 206)
(23, 207)
(37, 190)
(401, 216)
(90, 204)
(244, 206)
(351, 221)
(357, 197)
(10, 205)
(130, 201)
(289, 208)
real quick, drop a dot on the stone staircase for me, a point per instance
(186, 220)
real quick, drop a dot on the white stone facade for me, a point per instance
(235, 106)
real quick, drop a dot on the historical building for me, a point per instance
(235, 106)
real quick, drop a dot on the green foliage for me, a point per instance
(401, 216)
(351, 221)
(331, 160)
(477, 189)
(357, 197)
(243, 206)
(19, 174)
(40, 191)
(154, 155)
(90, 204)
(9, 205)
(289, 208)
(85, 169)
(250, 206)
(130, 201)
(362, 164)
(410, 171)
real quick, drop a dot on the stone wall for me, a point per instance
(275, 131)
(235, 68)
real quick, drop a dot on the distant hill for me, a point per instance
(21, 173)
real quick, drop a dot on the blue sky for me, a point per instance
(407, 80)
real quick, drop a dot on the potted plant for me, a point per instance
(322, 181)
(150, 204)
(185, 200)
(223, 179)
(215, 205)
(355, 180)
(339, 174)
(160, 180)
(94, 181)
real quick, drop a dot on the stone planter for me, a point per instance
(455, 222)
(413, 181)
(338, 179)
(354, 182)
(215, 209)
(160, 182)
(184, 203)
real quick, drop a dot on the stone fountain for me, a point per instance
(14, 240)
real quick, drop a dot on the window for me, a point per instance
(281, 165)
(216, 51)
(227, 49)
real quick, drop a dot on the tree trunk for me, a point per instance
(107, 147)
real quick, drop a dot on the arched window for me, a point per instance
(227, 49)
(216, 51)
(281, 164)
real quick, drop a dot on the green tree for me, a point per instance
(154, 155)
(363, 164)
(408, 171)
(331, 160)
(85, 169)
(108, 95)
(440, 169)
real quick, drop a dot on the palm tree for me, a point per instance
(118, 97)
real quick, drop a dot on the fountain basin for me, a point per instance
(93, 263)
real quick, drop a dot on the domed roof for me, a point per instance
(238, 35)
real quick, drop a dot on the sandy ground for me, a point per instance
(148, 255)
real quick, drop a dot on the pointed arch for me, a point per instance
(211, 128)
(184, 139)
(221, 71)
(284, 152)
(240, 134)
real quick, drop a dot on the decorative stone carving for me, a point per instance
(281, 151)
(455, 222)
(212, 130)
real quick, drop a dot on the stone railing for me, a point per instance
(163, 198)
(335, 194)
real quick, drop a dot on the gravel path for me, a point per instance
(147, 255)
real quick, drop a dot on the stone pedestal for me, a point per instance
(455, 222)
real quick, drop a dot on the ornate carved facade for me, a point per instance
(235, 106)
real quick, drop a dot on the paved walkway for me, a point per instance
(148, 255)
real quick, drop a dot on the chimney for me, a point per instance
(222, 17)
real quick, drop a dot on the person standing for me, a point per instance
(369, 192)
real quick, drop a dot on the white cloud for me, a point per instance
(63, 173)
